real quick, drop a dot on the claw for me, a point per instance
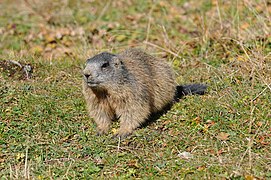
(122, 134)
(99, 133)
(102, 131)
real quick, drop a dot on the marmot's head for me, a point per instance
(103, 70)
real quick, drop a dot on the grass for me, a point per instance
(45, 132)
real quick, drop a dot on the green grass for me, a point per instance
(45, 132)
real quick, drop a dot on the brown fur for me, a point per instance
(150, 87)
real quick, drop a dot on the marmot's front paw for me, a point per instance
(123, 133)
(102, 130)
(99, 133)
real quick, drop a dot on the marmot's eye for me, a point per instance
(105, 65)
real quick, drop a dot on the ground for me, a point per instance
(45, 132)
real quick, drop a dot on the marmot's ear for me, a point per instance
(116, 61)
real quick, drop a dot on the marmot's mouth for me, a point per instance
(93, 84)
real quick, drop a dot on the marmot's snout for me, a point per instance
(91, 78)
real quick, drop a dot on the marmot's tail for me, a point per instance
(190, 89)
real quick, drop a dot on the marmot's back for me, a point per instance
(153, 73)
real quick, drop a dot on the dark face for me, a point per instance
(100, 70)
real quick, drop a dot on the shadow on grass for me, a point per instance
(181, 91)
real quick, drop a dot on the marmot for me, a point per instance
(129, 86)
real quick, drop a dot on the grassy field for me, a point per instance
(45, 132)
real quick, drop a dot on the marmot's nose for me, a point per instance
(86, 76)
